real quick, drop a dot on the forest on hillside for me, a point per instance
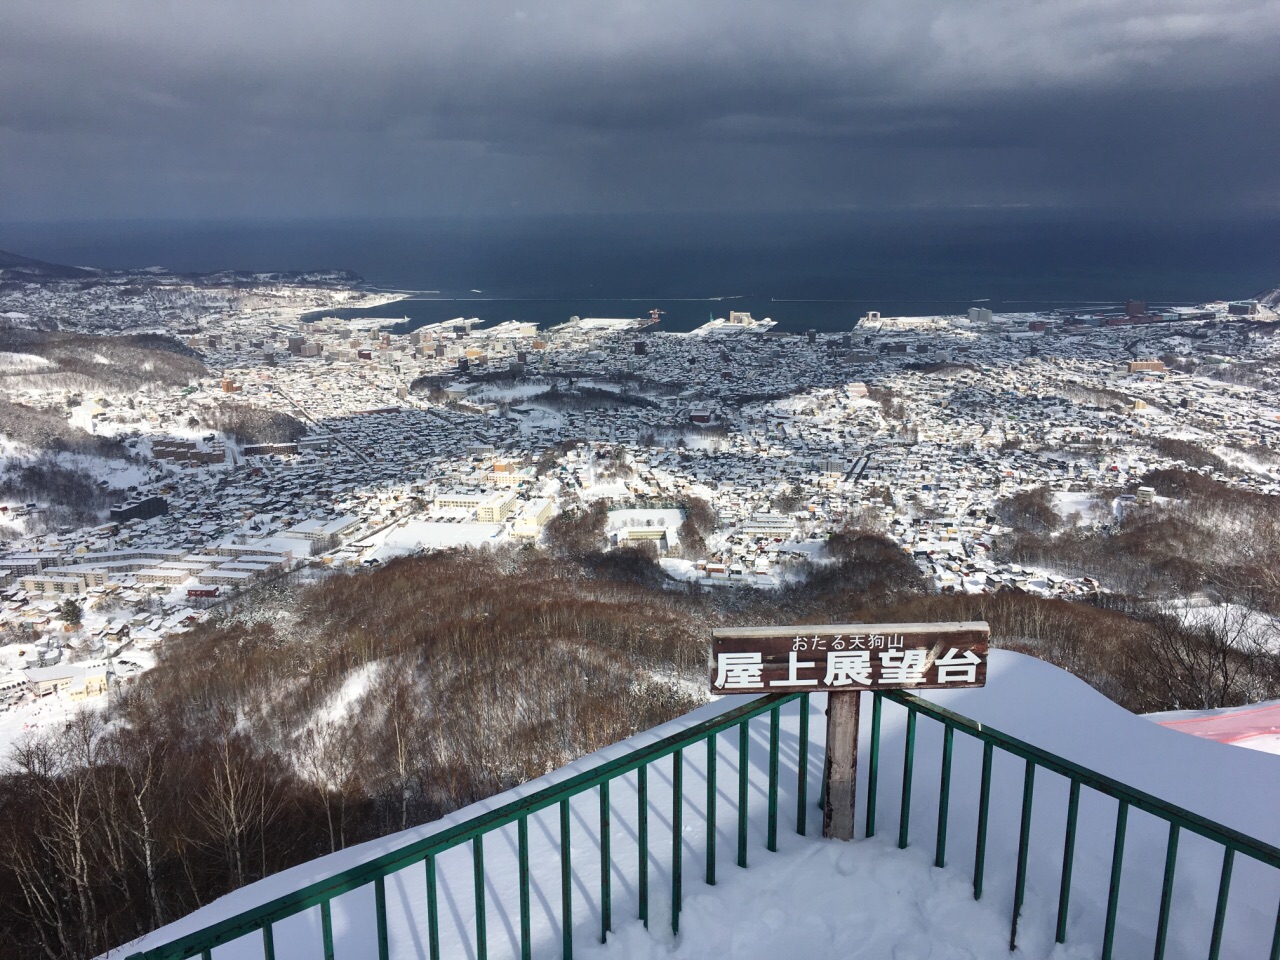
(1207, 538)
(83, 361)
(249, 424)
(315, 714)
(71, 494)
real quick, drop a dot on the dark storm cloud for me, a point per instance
(144, 108)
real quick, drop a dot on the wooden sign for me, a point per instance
(847, 657)
(844, 660)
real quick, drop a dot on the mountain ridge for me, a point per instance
(13, 263)
(14, 266)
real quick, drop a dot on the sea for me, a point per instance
(806, 271)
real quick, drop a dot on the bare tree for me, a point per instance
(143, 764)
(326, 752)
(402, 725)
(55, 870)
(1219, 659)
(239, 802)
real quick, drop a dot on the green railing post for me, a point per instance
(1024, 842)
(744, 745)
(433, 908)
(1068, 861)
(642, 831)
(713, 744)
(677, 837)
(522, 843)
(771, 841)
(268, 942)
(1220, 912)
(606, 866)
(873, 764)
(1166, 891)
(984, 809)
(1113, 892)
(802, 767)
(380, 911)
(566, 883)
(908, 758)
(326, 931)
(944, 798)
(477, 866)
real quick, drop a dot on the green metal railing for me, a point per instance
(321, 894)
(318, 896)
(1126, 797)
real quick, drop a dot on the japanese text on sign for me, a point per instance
(872, 657)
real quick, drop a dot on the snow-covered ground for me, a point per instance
(22, 362)
(515, 393)
(1078, 505)
(410, 536)
(354, 687)
(1238, 458)
(828, 900)
(1236, 622)
(816, 898)
(38, 717)
(120, 474)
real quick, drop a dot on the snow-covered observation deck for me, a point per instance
(1093, 827)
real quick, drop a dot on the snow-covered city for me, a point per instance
(199, 464)
(293, 440)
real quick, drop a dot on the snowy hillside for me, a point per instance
(819, 898)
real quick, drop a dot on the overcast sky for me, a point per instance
(266, 108)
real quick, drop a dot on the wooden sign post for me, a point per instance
(845, 660)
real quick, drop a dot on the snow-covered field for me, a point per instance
(413, 535)
(22, 363)
(1078, 505)
(1239, 624)
(817, 898)
(516, 393)
(118, 473)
